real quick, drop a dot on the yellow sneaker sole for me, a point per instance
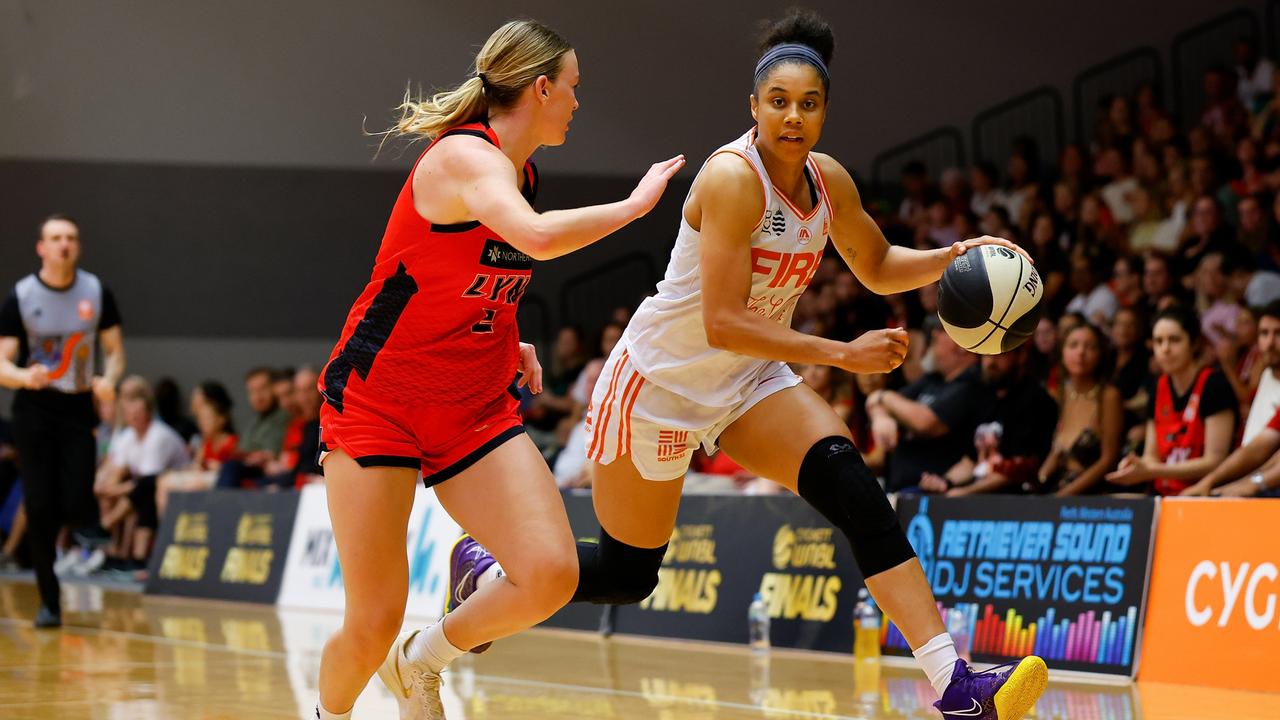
(1023, 688)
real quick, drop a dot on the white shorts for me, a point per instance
(658, 428)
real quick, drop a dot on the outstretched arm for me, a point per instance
(484, 182)
(883, 268)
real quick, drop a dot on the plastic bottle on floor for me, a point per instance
(866, 627)
(758, 624)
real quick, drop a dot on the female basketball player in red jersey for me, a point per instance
(423, 378)
(703, 362)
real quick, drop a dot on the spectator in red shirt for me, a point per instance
(211, 407)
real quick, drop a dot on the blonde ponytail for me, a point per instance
(515, 55)
(430, 117)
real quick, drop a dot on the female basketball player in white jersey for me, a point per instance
(703, 362)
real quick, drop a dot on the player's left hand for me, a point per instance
(530, 369)
(960, 248)
(104, 391)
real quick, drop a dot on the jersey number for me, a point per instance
(485, 325)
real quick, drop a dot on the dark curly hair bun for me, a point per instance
(800, 26)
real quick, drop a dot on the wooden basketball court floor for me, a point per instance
(124, 656)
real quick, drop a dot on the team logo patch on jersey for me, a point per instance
(672, 444)
(85, 308)
(777, 222)
(804, 236)
(501, 255)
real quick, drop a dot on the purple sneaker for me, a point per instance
(467, 562)
(1004, 692)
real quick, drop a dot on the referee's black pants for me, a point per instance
(57, 457)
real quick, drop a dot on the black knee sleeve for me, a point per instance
(611, 572)
(835, 481)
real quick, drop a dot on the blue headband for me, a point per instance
(791, 51)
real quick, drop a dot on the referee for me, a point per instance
(52, 326)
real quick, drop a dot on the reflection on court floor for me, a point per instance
(127, 657)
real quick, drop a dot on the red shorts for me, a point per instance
(440, 444)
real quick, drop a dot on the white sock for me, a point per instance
(431, 648)
(323, 714)
(938, 659)
(493, 573)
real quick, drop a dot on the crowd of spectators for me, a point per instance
(149, 447)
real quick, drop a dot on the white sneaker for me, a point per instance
(90, 564)
(69, 559)
(420, 698)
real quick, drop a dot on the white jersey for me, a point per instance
(666, 339)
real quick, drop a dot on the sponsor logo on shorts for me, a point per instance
(672, 445)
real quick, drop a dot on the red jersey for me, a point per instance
(435, 327)
(1179, 436)
(224, 451)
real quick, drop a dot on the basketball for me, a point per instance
(989, 300)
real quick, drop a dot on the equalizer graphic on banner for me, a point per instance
(1088, 638)
(1061, 578)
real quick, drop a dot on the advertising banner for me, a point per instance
(1064, 579)
(725, 549)
(227, 544)
(1212, 617)
(313, 577)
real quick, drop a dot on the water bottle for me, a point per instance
(866, 627)
(758, 623)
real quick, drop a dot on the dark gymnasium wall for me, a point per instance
(214, 153)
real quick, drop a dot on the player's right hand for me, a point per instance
(653, 184)
(877, 351)
(37, 377)
(530, 369)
